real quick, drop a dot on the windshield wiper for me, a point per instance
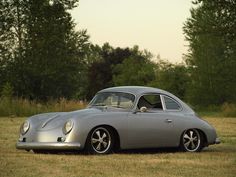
(99, 104)
(102, 105)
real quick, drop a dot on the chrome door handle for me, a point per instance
(168, 121)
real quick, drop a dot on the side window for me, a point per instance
(126, 101)
(171, 104)
(152, 101)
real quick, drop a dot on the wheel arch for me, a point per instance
(202, 133)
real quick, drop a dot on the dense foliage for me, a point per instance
(41, 53)
(211, 33)
(43, 57)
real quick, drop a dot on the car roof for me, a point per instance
(136, 90)
(139, 90)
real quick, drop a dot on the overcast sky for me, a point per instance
(155, 25)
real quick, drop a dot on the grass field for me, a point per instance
(216, 160)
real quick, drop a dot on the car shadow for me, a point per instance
(148, 151)
(130, 151)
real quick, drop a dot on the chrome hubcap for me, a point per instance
(100, 140)
(191, 140)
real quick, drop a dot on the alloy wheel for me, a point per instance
(191, 140)
(101, 140)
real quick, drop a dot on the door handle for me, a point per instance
(168, 120)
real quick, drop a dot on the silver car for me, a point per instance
(127, 117)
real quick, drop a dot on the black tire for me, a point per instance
(191, 141)
(100, 140)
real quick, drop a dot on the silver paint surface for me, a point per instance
(135, 129)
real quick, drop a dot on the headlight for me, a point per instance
(24, 127)
(67, 127)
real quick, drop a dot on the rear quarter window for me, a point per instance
(171, 104)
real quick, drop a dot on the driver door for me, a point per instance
(151, 128)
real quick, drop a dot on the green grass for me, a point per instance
(216, 160)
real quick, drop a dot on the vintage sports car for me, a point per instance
(127, 117)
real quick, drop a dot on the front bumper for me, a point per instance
(48, 145)
(217, 141)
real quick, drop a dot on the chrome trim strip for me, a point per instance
(163, 102)
(49, 120)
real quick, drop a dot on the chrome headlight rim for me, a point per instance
(68, 126)
(25, 127)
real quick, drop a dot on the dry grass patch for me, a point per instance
(218, 160)
(22, 107)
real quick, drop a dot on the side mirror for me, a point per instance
(143, 109)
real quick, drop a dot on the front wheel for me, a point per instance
(191, 141)
(100, 141)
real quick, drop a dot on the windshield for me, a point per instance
(113, 99)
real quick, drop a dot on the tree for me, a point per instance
(51, 64)
(134, 70)
(100, 69)
(211, 32)
(48, 60)
(12, 31)
(171, 77)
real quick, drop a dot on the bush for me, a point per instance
(7, 91)
(229, 110)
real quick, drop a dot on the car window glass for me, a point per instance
(152, 101)
(114, 99)
(126, 102)
(171, 104)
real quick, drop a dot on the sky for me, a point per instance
(154, 25)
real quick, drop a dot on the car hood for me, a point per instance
(53, 120)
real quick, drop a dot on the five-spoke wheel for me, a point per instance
(100, 141)
(191, 141)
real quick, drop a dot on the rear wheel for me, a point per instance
(191, 141)
(100, 141)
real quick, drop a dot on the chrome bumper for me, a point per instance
(217, 141)
(48, 146)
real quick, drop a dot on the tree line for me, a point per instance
(43, 56)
